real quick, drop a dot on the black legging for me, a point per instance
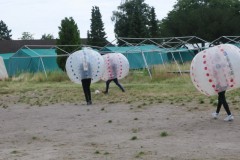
(222, 101)
(115, 80)
(86, 89)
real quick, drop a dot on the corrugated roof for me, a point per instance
(11, 46)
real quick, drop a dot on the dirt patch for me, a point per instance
(115, 132)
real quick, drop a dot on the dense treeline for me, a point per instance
(208, 19)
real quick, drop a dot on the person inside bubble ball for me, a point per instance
(221, 87)
(113, 78)
(86, 78)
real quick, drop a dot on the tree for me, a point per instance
(154, 27)
(4, 32)
(47, 36)
(68, 35)
(27, 36)
(208, 19)
(134, 18)
(97, 35)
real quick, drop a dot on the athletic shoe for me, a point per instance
(105, 92)
(89, 102)
(229, 118)
(215, 115)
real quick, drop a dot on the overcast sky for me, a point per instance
(44, 16)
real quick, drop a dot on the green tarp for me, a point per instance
(40, 60)
(31, 60)
(151, 54)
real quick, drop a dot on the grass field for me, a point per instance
(141, 90)
(160, 118)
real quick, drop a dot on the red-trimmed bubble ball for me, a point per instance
(116, 65)
(216, 69)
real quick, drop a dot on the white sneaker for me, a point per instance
(229, 118)
(215, 115)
